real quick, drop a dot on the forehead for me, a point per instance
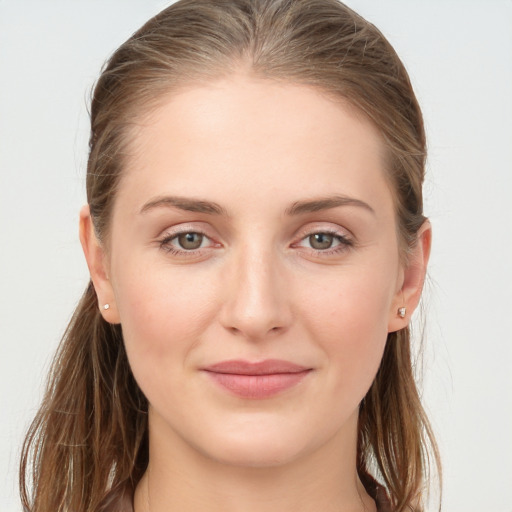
(256, 137)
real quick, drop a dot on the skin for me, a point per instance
(260, 286)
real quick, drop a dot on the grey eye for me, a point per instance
(190, 241)
(321, 241)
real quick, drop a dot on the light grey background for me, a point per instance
(459, 55)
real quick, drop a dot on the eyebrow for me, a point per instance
(185, 203)
(326, 203)
(297, 208)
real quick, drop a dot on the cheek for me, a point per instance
(349, 319)
(162, 314)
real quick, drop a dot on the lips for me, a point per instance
(256, 380)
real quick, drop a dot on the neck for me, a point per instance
(182, 479)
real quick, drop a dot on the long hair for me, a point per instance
(87, 446)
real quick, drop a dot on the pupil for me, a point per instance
(321, 240)
(190, 240)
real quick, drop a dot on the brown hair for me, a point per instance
(88, 443)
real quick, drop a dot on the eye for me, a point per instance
(325, 242)
(321, 241)
(185, 242)
(190, 241)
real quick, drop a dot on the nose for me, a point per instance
(256, 304)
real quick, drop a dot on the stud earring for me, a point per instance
(106, 306)
(401, 312)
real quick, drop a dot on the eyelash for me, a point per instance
(344, 243)
(165, 243)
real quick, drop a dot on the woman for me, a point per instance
(256, 244)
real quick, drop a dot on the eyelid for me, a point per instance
(185, 227)
(341, 237)
(319, 227)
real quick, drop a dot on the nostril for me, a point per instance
(236, 331)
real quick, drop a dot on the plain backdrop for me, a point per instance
(459, 55)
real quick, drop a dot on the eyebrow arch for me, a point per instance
(326, 203)
(185, 203)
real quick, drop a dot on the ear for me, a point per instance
(98, 267)
(408, 295)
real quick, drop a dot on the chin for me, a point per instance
(263, 441)
(254, 453)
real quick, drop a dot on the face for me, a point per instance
(253, 264)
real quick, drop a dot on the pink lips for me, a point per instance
(257, 380)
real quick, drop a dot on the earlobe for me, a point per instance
(408, 296)
(97, 263)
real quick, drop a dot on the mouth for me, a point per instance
(256, 380)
